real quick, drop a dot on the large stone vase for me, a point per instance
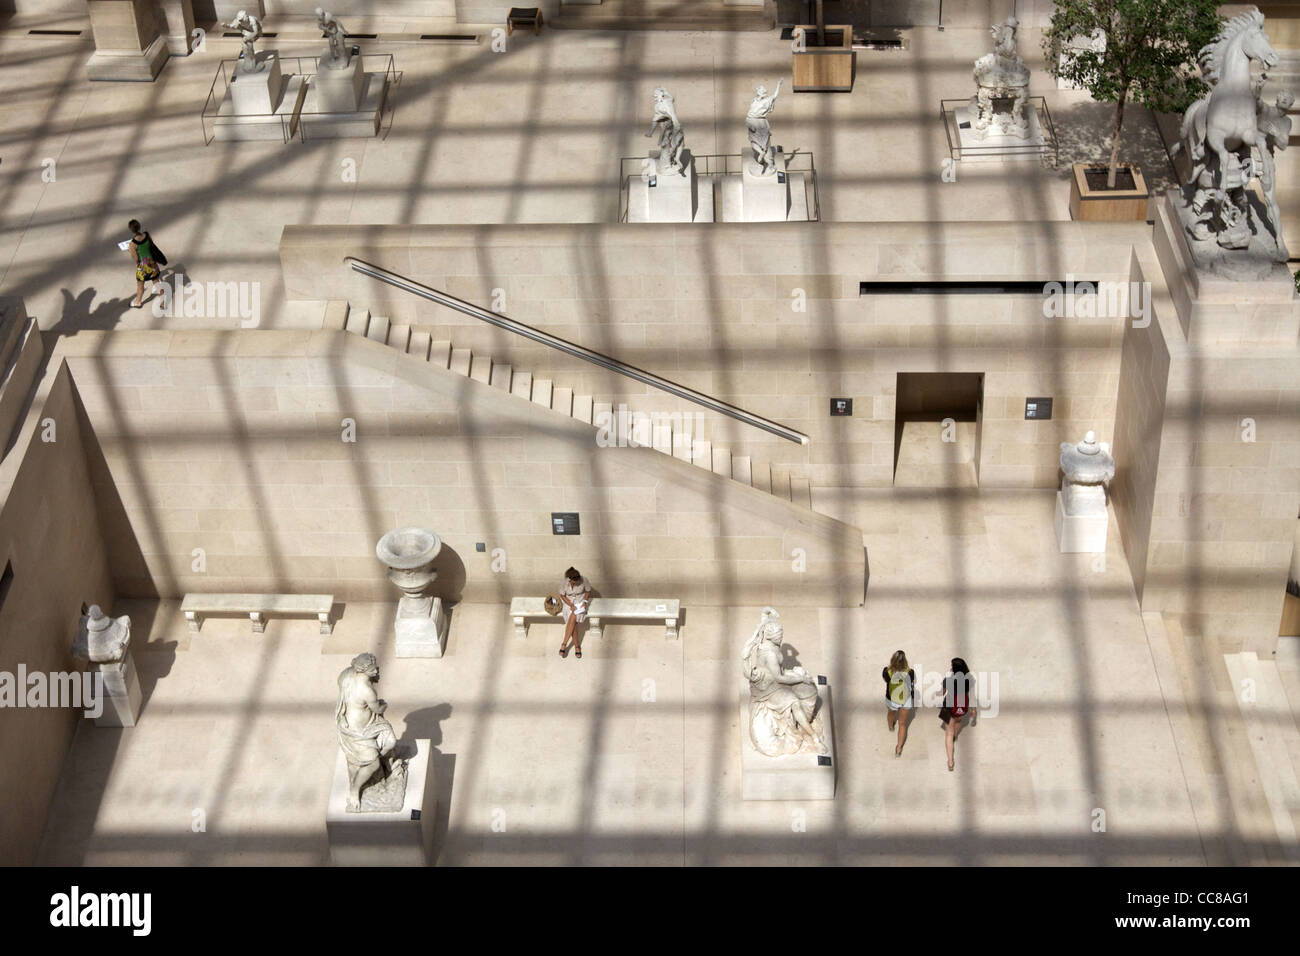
(421, 623)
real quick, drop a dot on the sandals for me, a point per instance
(577, 652)
(564, 651)
(950, 767)
(898, 751)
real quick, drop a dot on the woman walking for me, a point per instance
(575, 595)
(958, 705)
(899, 682)
(146, 259)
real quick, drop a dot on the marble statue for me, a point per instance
(339, 54)
(251, 28)
(100, 638)
(368, 741)
(1001, 74)
(1228, 136)
(1087, 468)
(672, 139)
(1275, 128)
(784, 707)
(760, 131)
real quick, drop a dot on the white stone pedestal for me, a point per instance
(1080, 533)
(121, 692)
(675, 196)
(764, 198)
(338, 90)
(423, 635)
(400, 838)
(127, 43)
(258, 93)
(806, 776)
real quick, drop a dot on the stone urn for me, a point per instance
(104, 643)
(1081, 518)
(421, 625)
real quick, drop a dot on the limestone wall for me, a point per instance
(714, 308)
(230, 447)
(50, 537)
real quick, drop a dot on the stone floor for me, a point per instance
(631, 755)
(534, 134)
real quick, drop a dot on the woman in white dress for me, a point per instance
(575, 596)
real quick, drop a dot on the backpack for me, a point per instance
(158, 256)
(961, 694)
(899, 686)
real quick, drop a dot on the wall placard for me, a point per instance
(564, 522)
(1039, 409)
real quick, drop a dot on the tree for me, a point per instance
(1150, 53)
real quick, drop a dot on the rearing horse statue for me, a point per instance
(1223, 121)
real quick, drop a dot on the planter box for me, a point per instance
(1107, 205)
(1290, 617)
(825, 68)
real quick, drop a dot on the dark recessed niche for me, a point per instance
(976, 287)
(6, 581)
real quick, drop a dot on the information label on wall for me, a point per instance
(841, 407)
(564, 522)
(1038, 408)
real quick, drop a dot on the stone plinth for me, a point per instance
(1214, 310)
(422, 634)
(763, 197)
(337, 89)
(1083, 532)
(127, 43)
(120, 688)
(995, 146)
(257, 92)
(805, 776)
(362, 120)
(400, 838)
(178, 17)
(674, 197)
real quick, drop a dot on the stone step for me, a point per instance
(640, 432)
(661, 439)
(740, 469)
(582, 408)
(336, 314)
(480, 369)
(801, 492)
(358, 320)
(521, 384)
(781, 481)
(760, 476)
(378, 329)
(543, 392)
(702, 454)
(562, 400)
(722, 462)
(440, 353)
(399, 336)
(419, 346)
(1263, 710)
(461, 361)
(602, 416)
(501, 375)
(681, 446)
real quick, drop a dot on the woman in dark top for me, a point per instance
(900, 681)
(958, 704)
(146, 267)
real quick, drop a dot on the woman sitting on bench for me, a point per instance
(575, 597)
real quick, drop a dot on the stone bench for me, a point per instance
(257, 607)
(600, 611)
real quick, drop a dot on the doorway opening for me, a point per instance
(937, 421)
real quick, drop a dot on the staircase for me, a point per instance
(1239, 751)
(662, 15)
(777, 480)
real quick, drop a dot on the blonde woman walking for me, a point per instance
(900, 680)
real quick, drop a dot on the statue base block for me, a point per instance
(806, 776)
(338, 89)
(130, 65)
(326, 115)
(996, 146)
(1080, 534)
(258, 93)
(121, 692)
(424, 636)
(399, 838)
(675, 196)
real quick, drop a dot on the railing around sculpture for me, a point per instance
(717, 165)
(1047, 150)
(291, 122)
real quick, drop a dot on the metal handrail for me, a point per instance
(577, 351)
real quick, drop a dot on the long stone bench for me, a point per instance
(600, 611)
(258, 606)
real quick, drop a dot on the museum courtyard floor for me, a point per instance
(1108, 736)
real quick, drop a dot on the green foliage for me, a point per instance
(1150, 53)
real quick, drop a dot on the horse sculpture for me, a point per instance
(1221, 129)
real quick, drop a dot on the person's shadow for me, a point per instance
(77, 313)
